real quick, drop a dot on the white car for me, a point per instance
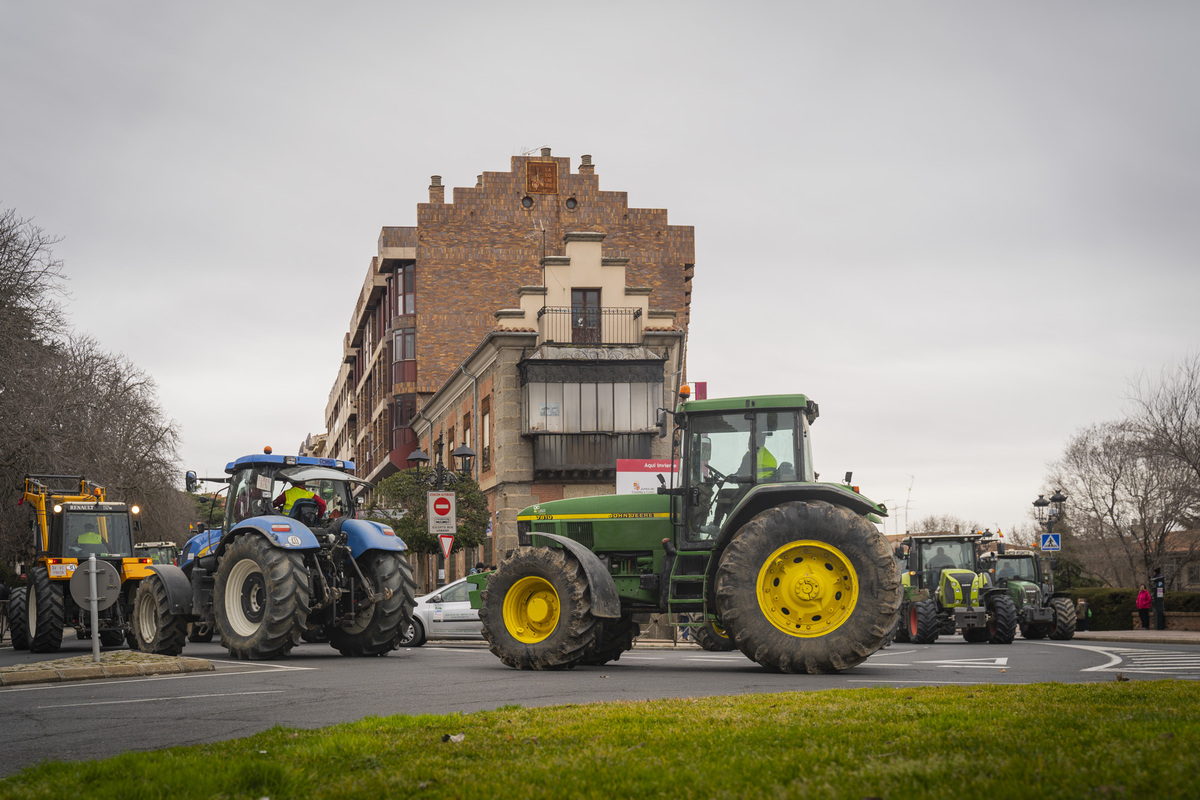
(444, 614)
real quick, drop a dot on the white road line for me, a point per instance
(159, 699)
(49, 687)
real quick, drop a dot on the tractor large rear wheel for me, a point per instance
(18, 619)
(156, 628)
(45, 612)
(537, 610)
(260, 599)
(1065, 618)
(1002, 622)
(376, 625)
(807, 587)
(709, 635)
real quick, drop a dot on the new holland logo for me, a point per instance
(294, 541)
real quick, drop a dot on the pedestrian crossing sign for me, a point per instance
(1050, 542)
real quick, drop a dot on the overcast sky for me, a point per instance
(963, 229)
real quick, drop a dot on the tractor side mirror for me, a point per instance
(1000, 548)
(662, 423)
(190, 480)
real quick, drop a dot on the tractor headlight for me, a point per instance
(135, 509)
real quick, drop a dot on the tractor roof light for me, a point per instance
(685, 392)
(57, 508)
(135, 509)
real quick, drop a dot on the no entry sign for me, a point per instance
(443, 521)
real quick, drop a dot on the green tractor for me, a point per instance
(946, 588)
(1040, 613)
(746, 545)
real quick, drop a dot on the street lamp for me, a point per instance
(440, 477)
(1048, 513)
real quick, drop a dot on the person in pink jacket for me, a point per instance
(1143, 607)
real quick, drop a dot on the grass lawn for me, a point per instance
(1135, 739)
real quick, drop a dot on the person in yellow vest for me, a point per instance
(296, 491)
(89, 541)
(765, 461)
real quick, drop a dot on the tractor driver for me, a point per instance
(296, 491)
(940, 560)
(89, 541)
(759, 455)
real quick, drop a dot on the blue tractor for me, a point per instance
(289, 561)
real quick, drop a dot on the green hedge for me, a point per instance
(1113, 609)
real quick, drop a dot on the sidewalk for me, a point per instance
(113, 664)
(1140, 636)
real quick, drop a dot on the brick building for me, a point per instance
(557, 392)
(432, 291)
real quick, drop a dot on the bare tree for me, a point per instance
(1167, 417)
(945, 523)
(1126, 499)
(68, 406)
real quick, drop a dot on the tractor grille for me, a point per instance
(581, 532)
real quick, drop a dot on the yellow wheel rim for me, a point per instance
(531, 609)
(807, 588)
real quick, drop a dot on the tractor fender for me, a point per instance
(283, 532)
(605, 601)
(768, 495)
(363, 535)
(989, 594)
(177, 586)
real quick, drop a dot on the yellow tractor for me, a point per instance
(71, 522)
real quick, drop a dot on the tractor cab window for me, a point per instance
(728, 454)
(96, 533)
(1021, 569)
(249, 492)
(949, 554)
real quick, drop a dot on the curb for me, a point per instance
(83, 668)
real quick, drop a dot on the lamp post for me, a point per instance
(1048, 513)
(440, 477)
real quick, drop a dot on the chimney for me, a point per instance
(585, 166)
(437, 192)
(545, 152)
(478, 181)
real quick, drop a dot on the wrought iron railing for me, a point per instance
(563, 325)
(587, 452)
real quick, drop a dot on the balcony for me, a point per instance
(586, 455)
(590, 326)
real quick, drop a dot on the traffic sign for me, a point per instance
(446, 542)
(441, 514)
(1050, 542)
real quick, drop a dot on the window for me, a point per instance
(406, 288)
(485, 435)
(618, 407)
(405, 356)
(1193, 574)
(585, 316)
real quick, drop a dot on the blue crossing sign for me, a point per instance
(1050, 542)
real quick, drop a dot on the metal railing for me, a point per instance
(564, 325)
(587, 452)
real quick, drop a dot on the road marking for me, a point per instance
(1135, 659)
(159, 699)
(971, 663)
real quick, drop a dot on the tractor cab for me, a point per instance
(79, 530)
(314, 494)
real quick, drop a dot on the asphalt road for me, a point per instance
(316, 687)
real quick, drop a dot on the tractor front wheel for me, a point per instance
(537, 610)
(1065, 618)
(156, 628)
(18, 619)
(807, 587)
(1002, 622)
(375, 625)
(45, 613)
(709, 635)
(615, 637)
(260, 599)
(923, 623)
